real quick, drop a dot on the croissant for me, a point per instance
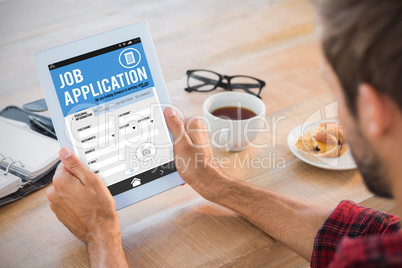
(325, 141)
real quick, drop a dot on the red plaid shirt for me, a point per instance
(355, 236)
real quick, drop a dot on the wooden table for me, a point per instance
(272, 40)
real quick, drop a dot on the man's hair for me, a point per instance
(362, 41)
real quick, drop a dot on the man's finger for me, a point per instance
(59, 167)
(50, 194)
(176, 126)
(197, 131)
(73, 164)
(51, 207)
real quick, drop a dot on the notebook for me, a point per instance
(24, 153)
(9, 183)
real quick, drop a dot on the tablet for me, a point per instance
(106, 97)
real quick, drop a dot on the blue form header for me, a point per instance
(101, 78)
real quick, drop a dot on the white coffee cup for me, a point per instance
(233, 135)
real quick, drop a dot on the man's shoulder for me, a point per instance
(351, 220)
(369, 251)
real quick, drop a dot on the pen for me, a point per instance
(46, 122)
(42, 126)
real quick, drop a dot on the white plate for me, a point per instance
(345, 162)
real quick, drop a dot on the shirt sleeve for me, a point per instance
(369, 251)
(351, 220)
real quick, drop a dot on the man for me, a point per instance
(362, 47)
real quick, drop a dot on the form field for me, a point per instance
(134, 116)
(98, 153)
(95, 130)
(112, 171)
(106, 162)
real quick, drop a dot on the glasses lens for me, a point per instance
(248, 84)
(203, 80)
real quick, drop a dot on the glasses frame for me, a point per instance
(220, 83)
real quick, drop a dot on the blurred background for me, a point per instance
(273, 40)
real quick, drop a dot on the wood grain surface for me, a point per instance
(274, 40)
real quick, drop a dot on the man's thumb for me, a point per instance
(176, 126)
(73, 164)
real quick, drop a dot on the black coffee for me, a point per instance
(234, 113)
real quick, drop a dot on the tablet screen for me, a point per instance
(113, 116)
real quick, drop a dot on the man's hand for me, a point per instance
(193, 155)
(292, 222)
(82, 202)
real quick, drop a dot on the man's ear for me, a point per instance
(375, 111)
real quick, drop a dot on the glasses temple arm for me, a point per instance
(208, 81)
(203, 79)
(247, 86)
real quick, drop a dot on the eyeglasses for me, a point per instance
(205, 81)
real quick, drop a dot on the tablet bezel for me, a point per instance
(44, 58)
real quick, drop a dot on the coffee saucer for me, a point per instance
(344, 162)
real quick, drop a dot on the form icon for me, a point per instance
(129, 58)
(146, 151)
